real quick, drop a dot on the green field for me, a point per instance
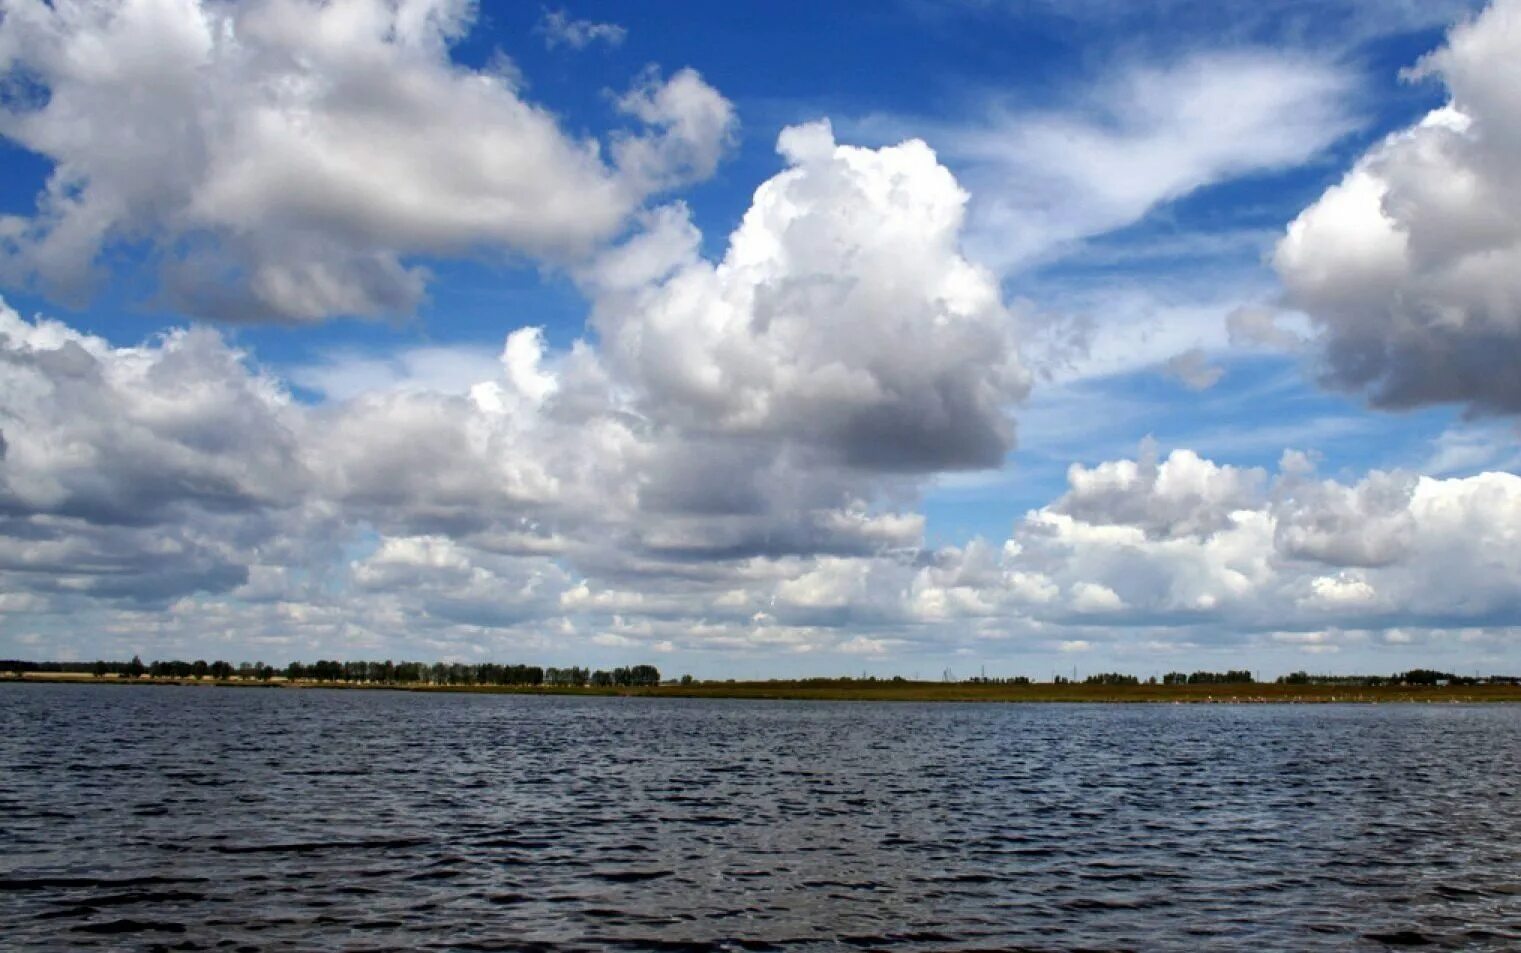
(905, 691)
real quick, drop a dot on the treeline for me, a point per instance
(1416, 676)
(357, 672)
(1232, 677)
(1111, 678)
(453, 674)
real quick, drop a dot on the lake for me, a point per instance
(261, 819)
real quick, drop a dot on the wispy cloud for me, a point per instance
(1147, 134)
(559, 28)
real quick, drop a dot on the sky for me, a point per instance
(764, 340)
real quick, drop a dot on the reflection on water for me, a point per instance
(194, 818)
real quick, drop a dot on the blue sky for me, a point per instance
(1025, 397)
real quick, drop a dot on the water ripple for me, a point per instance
(233, 820)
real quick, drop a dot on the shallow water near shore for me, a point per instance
(185, 818)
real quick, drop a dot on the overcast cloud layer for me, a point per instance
(731, 462)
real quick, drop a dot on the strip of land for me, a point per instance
(887, 690)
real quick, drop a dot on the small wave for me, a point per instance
(112, 927)
(1401, 938)
(308, 847)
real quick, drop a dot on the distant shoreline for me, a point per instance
(860, 690)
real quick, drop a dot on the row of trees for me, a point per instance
(1416, 676)
(1171, 678)
(357, 672)
(492, 673)
(1111, 678)
(1232, 677)
(463, 674)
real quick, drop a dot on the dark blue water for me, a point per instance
(247, 819)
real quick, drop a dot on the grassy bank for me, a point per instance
(858, 690)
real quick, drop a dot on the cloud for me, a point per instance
(535, 527)
(1370, 524)
(129, 436)
(1090, 597)
(1082, 332)
(1192, 369)
(1472, 449)
(732, 463)
(1257, 327)
(862, 645)
(693, 124)
(726, 431)
(70, 559)
(1182, 495)
(294, 159)
(144, 487)
(1409, 266)
(1148, 134)
(445, 581)
(1065, 196)
(1238, 553)
(559, 28)
(843, 318)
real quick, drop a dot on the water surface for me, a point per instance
(247, 819)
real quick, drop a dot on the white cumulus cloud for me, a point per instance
(1411, 265)
(288, 160)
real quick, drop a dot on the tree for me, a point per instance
(644, 675)
(1111, 678)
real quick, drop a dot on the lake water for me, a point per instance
(245, 819)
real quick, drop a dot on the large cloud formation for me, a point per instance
(1411, 266)
(174, 495)
(737, 420)
(730, 462)
(713, 474)
(286, 159)
(1297, 553)
(843, 316)
(1186, 552)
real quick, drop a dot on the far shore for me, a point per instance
(882, 690)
